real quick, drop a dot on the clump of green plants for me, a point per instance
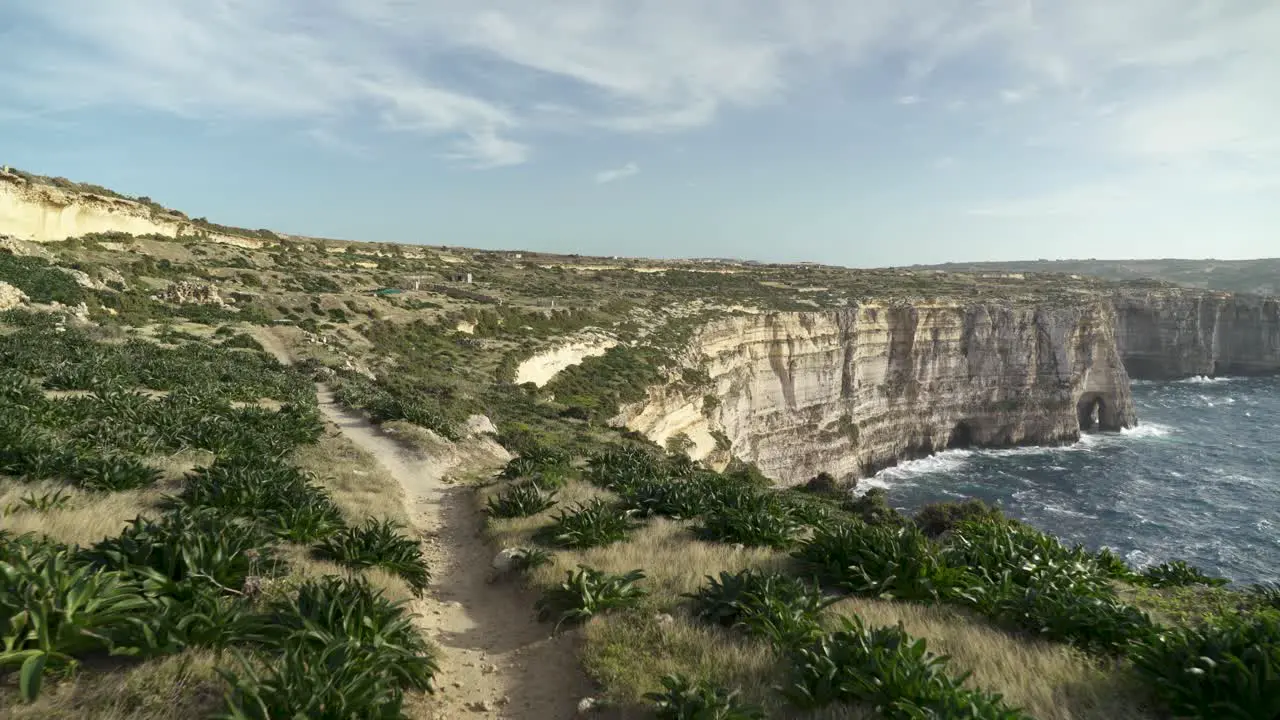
(274, 493)
(778, 607)
(1229, 668)
(587, 592)
(938, 519)
(882, 561)
(676, 499)
(685, 699)
(1177, 573)
(890, 671)
(55, 609)
(378, 543)
(520, 500)
(590, 524)
(872, 508)
(763, 521)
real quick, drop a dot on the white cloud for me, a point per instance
(608, 176)
(1183, 79)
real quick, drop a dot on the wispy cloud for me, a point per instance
(619, 173)
(1185, 78)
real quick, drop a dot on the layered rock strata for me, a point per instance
(1174, 333)
(854, 390)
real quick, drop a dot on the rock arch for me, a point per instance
(1091, 411)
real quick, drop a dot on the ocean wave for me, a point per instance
(1203, 380)
(1058, 510)
(945, 461)
(1147, 430)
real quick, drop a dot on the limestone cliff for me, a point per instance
(36, 212)
(854, 390)
(1174, 332)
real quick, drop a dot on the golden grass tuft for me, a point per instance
(175, 687)
(86, 519)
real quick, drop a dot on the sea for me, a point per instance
(1197, 480)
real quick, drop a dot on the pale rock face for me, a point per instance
(855, 390)
(10, 296)
(1173, 333)
(40, 213)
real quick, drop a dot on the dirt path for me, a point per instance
(498, 661)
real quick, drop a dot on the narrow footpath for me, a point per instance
(498, 661)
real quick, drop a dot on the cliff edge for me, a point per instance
(855, 390)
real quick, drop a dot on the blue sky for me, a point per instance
(855, 132)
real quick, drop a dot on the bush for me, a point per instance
(587, 592)
(520, 500)
(1229, 669)
(685, 699)
(937, 519)
(873, 508)
(882, 561)
(378, 544)
(591, 524)
(888, 670)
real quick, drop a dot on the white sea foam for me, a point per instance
(946, 461)
(1204, 380)
(1056, 509)
(1147, 430)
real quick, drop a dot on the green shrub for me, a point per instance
(1177, 573)
(587, 592)
(685, 699)
(590, 524)
(1228, 669)
(346, 607)
(669, 498)
(55, 609)
(873, 508)
(328, 678)
(888, 670)
(378, 544)
(883, 561)
(276, 494)
(520, 500)
(937, 519)
(775, 606)
(529, 558)
(1057, 607)
(197, 546)
(765, 522)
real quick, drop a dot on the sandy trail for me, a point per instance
(498, 661)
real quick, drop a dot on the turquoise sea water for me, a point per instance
(1197, 480)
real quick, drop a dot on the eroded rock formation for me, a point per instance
(855, 390)
(1174, 332)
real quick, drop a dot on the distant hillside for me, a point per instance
(1248, 276)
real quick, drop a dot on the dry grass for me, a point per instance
(359, 485)
(1048, 680)
(628, 653)
(177, 687)
(86, 518)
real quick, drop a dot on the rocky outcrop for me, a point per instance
(187, 292)
(854, 390)
(11, 297)
(35, 212)
(1172, 333)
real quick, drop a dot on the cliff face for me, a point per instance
(855, 390)
(1172, 333)
(42, 213)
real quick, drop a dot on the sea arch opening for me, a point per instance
(1091, 408)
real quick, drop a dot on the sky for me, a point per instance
(853, 132)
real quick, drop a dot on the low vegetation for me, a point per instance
(204, 565)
